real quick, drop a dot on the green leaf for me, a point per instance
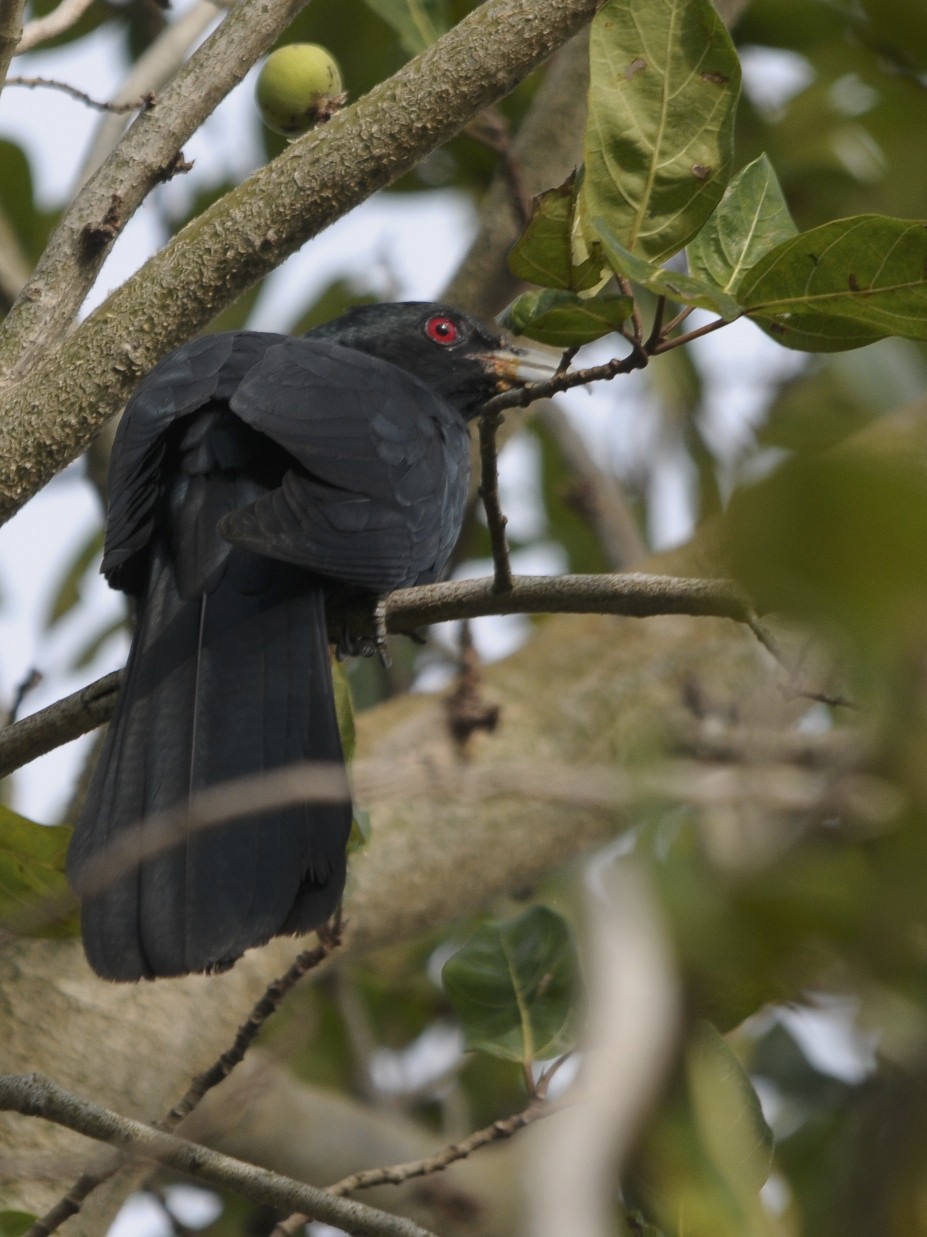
(543, 254)
(513, 985)
(727, 1112)
(418, 23)
(68, 593)
(664, 85)
(677, 286)
(751, 218)
(842, 285)
(32, 867)
(564, 319)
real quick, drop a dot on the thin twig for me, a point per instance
(676, 322)
(147, 101)
(34, 1095)
(269, 1003)
(678, 341)
(489, 493)
(523, 396)
(396, 1174)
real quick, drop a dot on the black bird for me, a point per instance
(253, 476)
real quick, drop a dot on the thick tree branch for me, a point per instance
(147, 155)
(11, 29)
(53, 412)
(634, 595)
(36, 1096)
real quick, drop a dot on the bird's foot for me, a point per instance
(351, 645)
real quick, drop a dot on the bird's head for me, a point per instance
(444, 348)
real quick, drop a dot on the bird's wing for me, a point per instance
(380, 470)
(203, 371)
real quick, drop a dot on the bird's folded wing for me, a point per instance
(374, 487)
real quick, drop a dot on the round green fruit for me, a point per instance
(299, 85)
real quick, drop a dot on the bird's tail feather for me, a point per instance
(237, 682)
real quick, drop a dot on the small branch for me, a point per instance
(36, 1096)
(631, 594)
(678, 341)
(268, 1004)
(32, 82)
(66, 15)
(396, 1174)
(61, 722)
(489, 493)
(565, 380)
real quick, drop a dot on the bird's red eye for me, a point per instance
(442, 330)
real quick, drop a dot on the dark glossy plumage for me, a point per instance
(251, 472)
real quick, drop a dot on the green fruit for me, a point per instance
(299, 85)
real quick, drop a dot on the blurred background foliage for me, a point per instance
(810, 950)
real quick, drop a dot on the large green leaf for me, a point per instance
(842, 285)
(563, 319)
(665, 79)
(543, 254)
(751, 218)
(513, 985)
(676, 285)
(32, 867)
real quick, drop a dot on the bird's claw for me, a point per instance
(350, 645)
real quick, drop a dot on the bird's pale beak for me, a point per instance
(516, 365)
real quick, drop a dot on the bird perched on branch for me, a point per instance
(254, 475)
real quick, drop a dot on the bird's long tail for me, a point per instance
(232, 683)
